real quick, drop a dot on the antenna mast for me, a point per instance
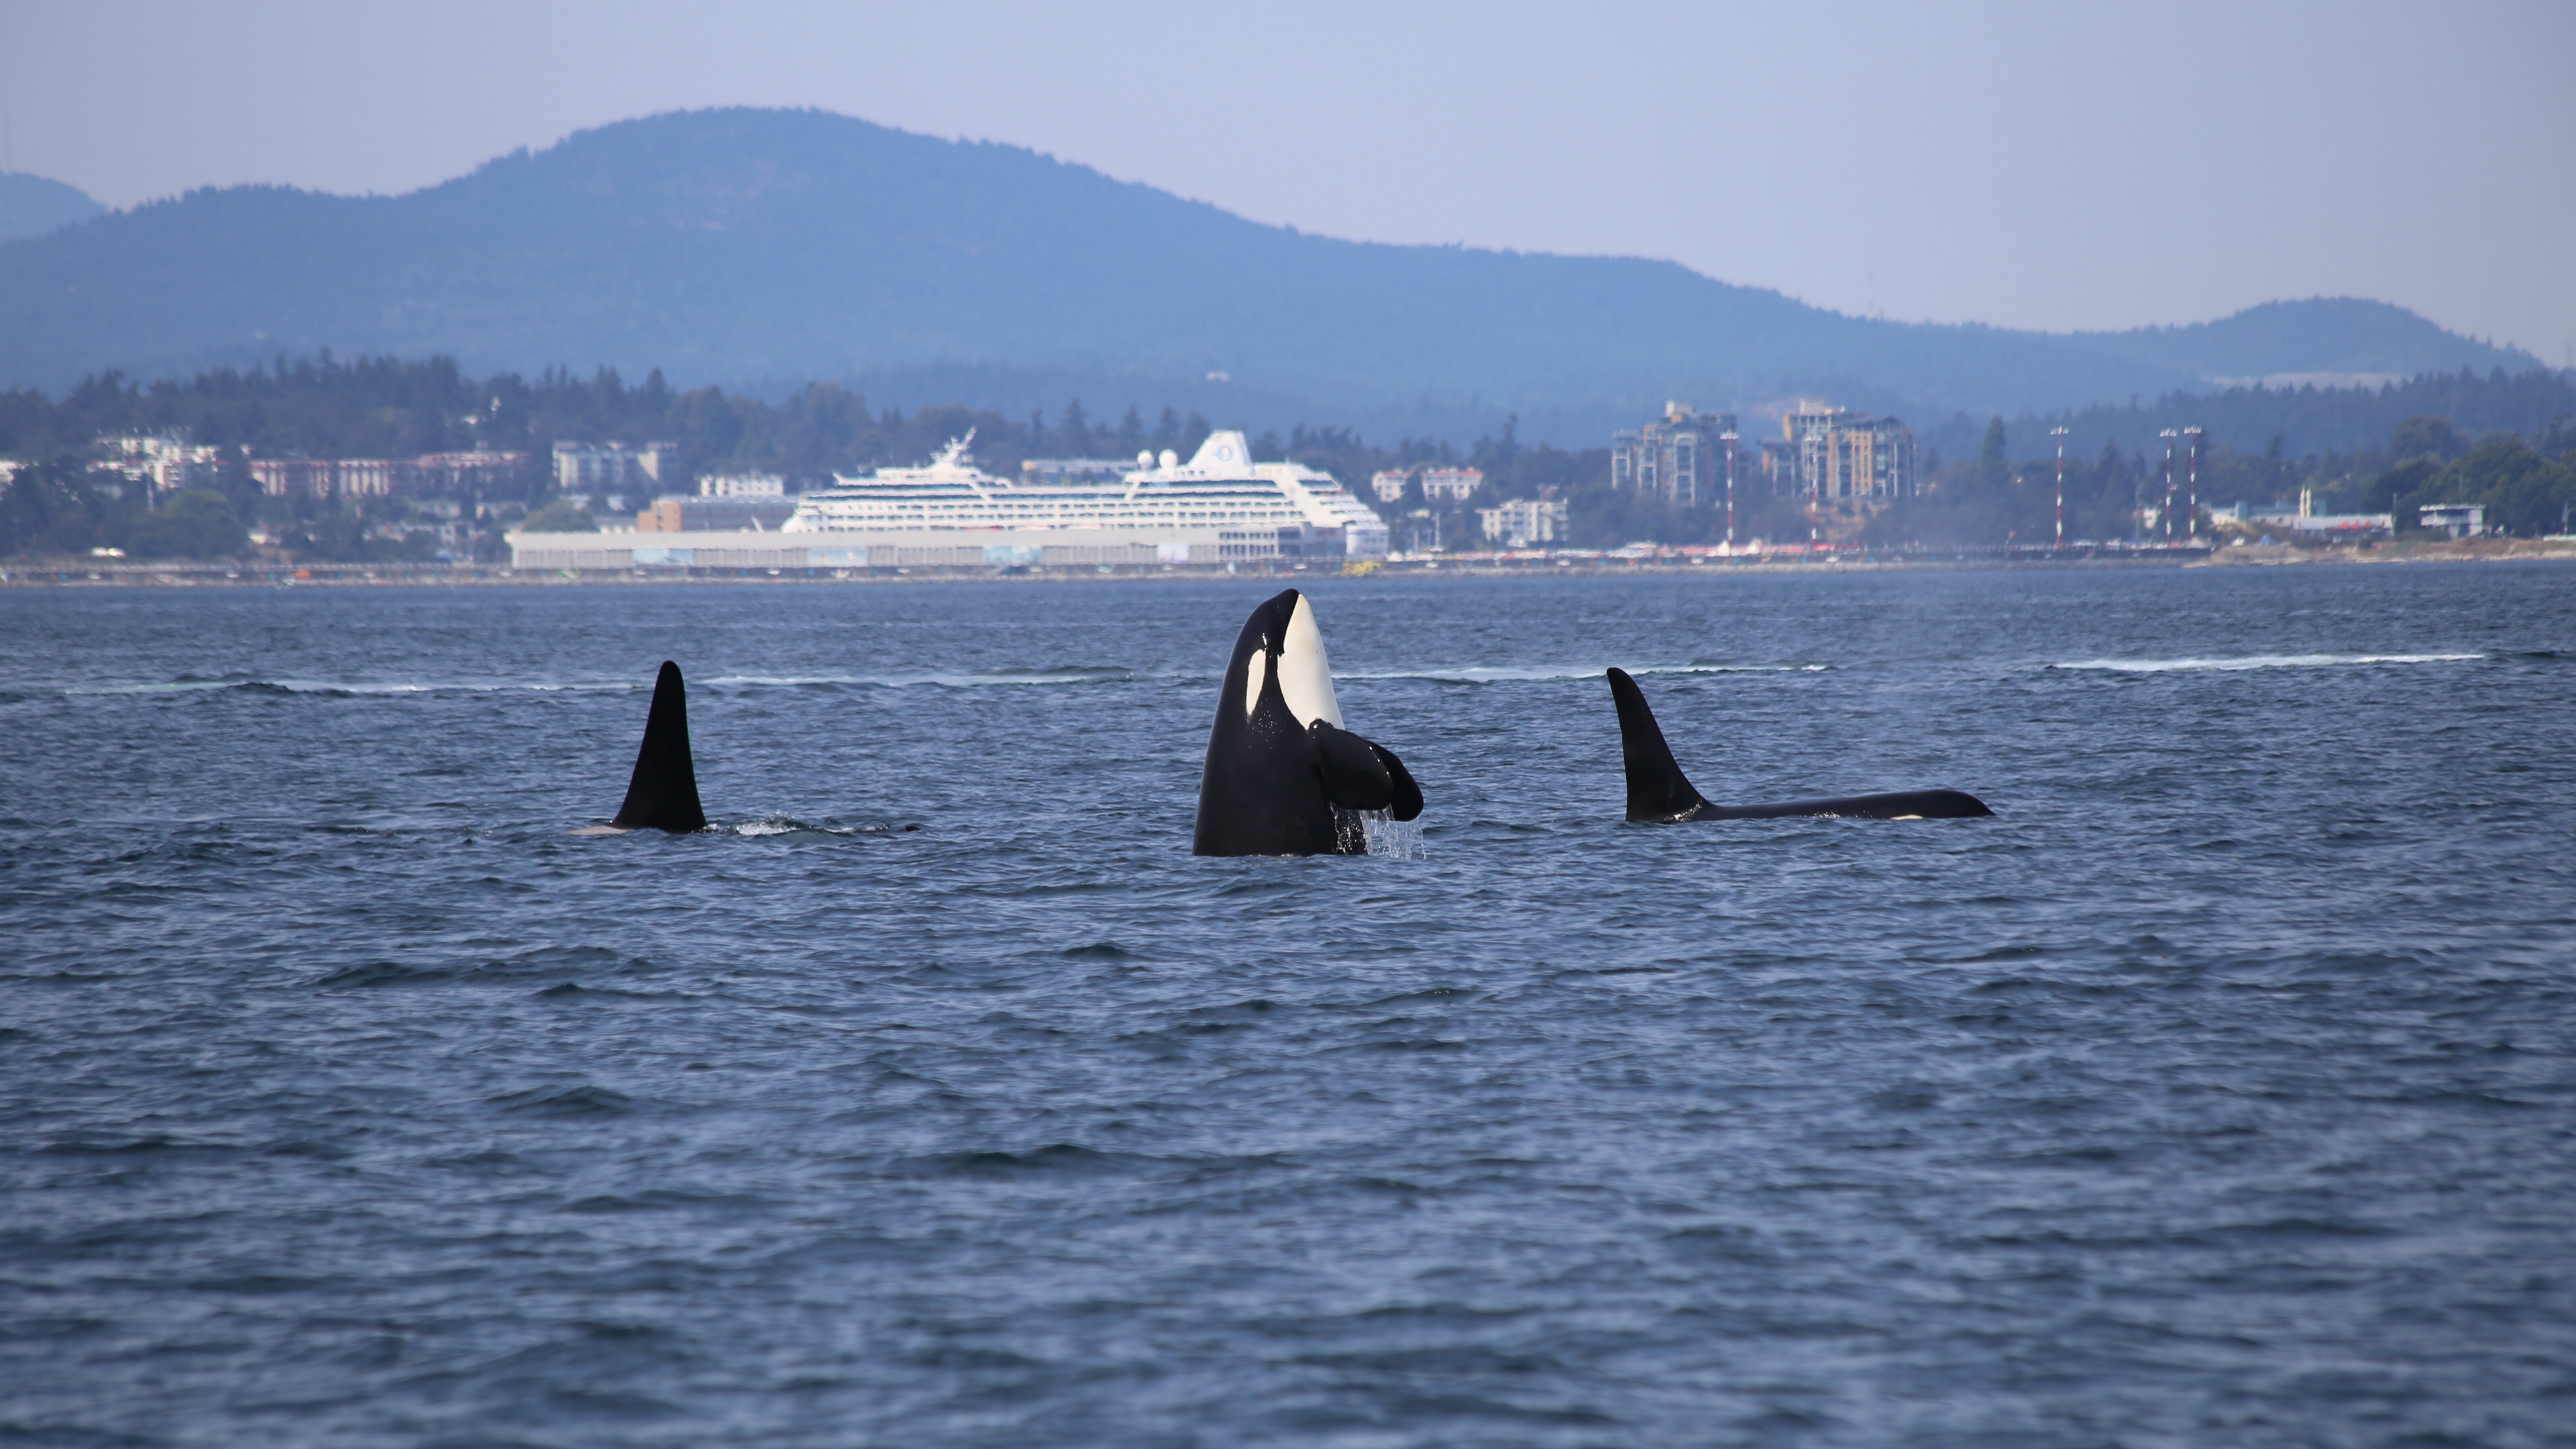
(2060, 435)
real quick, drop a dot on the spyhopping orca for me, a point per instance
(1658, 791)
(1283, 777)
(663, 795)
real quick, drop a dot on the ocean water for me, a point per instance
(2220, 1090)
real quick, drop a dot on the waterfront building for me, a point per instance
(1454, 485)
(295, 477)
(1524, 522)
(1840, 456)
(1780, 467)
(474, 471)
(680, 513)
(1389, 484)
(1680, 456)
(2306, 520)
(742, 485)
(161, 464)
(364, 477)
(2459, 520)
(378, 477)
(612, 467)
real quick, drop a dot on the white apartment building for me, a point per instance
(1524, 522)
(1455, 485)
(1389, 485)
(611, 467)
(164, 464)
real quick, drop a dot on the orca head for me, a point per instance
(1281, 645)
(1282, 775)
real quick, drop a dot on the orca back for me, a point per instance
(1658, 791)
(1895, 805)
(663, 793)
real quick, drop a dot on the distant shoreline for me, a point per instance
(89, 574)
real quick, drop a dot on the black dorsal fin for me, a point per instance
(663, 795)
(1657, 789)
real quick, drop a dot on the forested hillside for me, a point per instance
(742, 247)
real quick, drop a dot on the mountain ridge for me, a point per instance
(732, 245)
(35, 205)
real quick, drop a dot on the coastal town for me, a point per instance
(1802, 482)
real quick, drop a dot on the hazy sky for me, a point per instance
(2053, 166)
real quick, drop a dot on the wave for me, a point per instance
(189, 684)
(247, 684)
(2256, 661)
(19, 692)
(1527, 673)
(768, 825)
(975, 679)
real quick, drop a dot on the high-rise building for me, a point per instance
(1837, 455)
(1680, 457)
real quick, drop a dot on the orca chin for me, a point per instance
(1282, 776)
(663, 794)
(1658, 791)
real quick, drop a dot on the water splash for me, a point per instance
(1390, 837)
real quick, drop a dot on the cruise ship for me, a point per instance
(1220, 507)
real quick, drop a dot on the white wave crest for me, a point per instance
(1526, 673)
(2257, 661)
(944, 680)
(344, 686)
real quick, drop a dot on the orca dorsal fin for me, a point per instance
(663, 795)
(1657, 788)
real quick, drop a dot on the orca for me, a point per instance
(1658, 791)
(1282, 775)
(663, 793)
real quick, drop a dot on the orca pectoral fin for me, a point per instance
(1353, 777)
(1408, 795)
(1657, 788)
(663, 792)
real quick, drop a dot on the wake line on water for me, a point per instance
(1020, 677)
(1543, 673)
(2256, 661)
(1001, 678)
(323, 687)
(329, 688)
(771, 825)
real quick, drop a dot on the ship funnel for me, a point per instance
(1224, 452)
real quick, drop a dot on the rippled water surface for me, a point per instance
(2218, 1091)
